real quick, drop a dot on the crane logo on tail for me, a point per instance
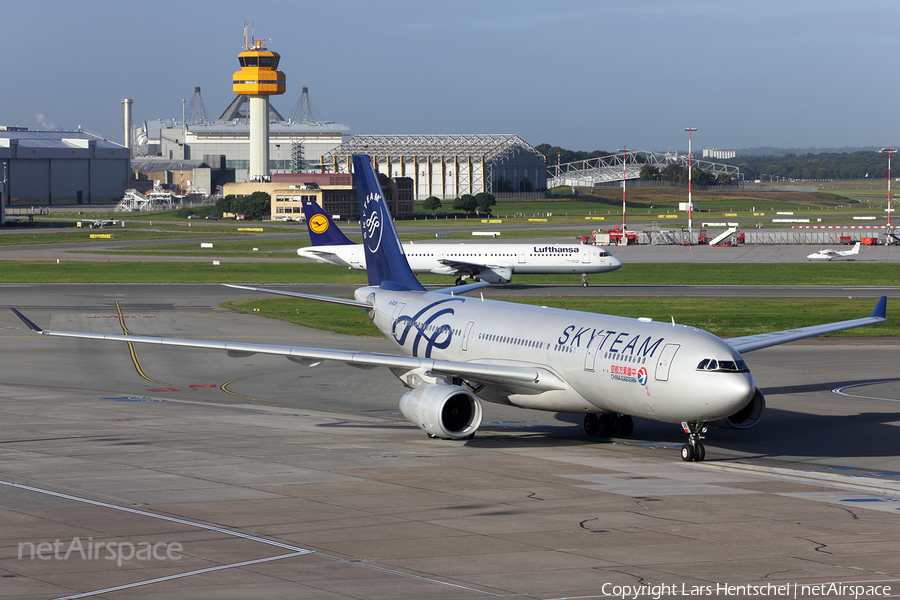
(318, 223)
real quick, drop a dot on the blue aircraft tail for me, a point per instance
(322, 230)
(386, 263)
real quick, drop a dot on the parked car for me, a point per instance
(213, 217)
(194, 216)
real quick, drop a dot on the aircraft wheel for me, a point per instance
(607, 425)
(687, 453)
(700, 452)
(591, 424)
(459, 281)
(626, 425)
(585, 284)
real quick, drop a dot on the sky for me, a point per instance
(582, 75)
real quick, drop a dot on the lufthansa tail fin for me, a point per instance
(322, 230)
(386, 264)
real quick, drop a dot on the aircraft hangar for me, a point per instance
(449, 166)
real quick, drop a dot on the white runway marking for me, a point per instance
(841, 389)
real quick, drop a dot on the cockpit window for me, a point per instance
(723, 366)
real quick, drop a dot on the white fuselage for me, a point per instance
(537, 258)
(602, 363)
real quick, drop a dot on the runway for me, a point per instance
(280, 481)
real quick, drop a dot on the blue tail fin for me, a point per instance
(386, 264)
(322, 230)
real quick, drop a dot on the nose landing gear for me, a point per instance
(584, 282)
(694, 450)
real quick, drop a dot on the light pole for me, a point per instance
(889, 151)
(624, 152)
(690, 200)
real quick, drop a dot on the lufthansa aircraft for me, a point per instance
(455, 352)
(494, 263)
(828, 253)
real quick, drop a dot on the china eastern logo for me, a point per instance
(318, 224)
(628, 374)
(642, 376)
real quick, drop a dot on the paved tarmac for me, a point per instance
(190, 474)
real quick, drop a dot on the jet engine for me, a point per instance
(747, 417)
(496, 274)
(445, 411)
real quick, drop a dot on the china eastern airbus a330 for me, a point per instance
(457, 352)
(493, 263)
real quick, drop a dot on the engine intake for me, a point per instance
(496, 275)
(449, 412)
(748, 416)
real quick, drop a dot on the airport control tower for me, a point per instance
(258, 79)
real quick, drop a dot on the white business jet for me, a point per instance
(494, 263)
(828, 253)
(455, 352)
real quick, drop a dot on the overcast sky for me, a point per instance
(583, 75)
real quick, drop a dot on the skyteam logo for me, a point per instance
(318, 224)
(642, 376)
(425, 328)
(374, 220)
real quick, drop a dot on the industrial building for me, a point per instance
(449, 166)
(334, 192)
(61, 167)
(294, 145)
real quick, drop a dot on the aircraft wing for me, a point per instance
(329, 299)
(764, 340)
(520, 379)
(469, 267)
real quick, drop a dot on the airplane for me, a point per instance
(494, 263)
(828, 253)
(456, 352)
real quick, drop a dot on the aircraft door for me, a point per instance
(665, 361)
(397, 310)
(354, 255)
(522, 257)
(586, 254)
(590, 355)
(465, 340)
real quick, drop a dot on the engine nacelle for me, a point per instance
(445, 411)
(496, 275)
(747, 417)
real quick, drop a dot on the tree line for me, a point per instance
(479, 203)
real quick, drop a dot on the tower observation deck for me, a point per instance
(258, 79)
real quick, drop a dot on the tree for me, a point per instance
(466, 203)
(431, 203)
(484, 202)
(649, 173)
(255, 206)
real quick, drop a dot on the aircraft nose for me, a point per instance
(734, 390)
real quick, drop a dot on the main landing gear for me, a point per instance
(608, 424)
(694, 450)
(584, 282)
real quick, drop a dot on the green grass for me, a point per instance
(723, 317)
(865, 274)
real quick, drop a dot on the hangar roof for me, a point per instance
(489, 146)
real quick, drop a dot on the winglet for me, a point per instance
(322, 230)
(27, 321)
(880, 311)
(386, 264)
